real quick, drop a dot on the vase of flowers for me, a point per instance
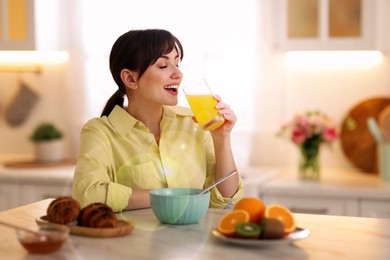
(309, 131)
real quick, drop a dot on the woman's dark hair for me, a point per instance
(136, 50)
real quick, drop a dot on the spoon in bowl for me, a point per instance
(218, 182)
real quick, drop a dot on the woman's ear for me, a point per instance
(129, 78)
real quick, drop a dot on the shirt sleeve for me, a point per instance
(218, 201)
(93, 176)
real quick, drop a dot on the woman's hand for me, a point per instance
(228, 115)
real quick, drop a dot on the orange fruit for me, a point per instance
(280, 212)
(254, 206)
(227, 224)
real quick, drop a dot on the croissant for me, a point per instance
(97, 215)
(63, 210)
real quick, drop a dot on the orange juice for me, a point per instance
(203, 107)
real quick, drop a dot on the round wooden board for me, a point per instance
(357, 142)
(123, 228)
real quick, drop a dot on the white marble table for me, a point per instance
(332, 237)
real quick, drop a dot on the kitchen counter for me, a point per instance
(345, 192)
(57, 174)
(251, 175)
(346, 183)
(332, 237)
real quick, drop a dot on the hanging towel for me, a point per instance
(21, 105)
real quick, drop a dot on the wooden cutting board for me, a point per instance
(122, 228)
(357, 142)
(35, 164)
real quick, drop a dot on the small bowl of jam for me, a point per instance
(44, 240)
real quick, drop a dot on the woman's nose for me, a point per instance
(176, 73)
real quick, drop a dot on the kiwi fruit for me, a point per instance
(272, 228)
(248, 230)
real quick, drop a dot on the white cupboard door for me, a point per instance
(324, 25)
(9, 196)
(33, 193)
(375, 208)
(17, 25)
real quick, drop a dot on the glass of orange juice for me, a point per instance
(202, 103)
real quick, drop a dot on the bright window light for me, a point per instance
(30, 60)
(33, 57)
(312, 60)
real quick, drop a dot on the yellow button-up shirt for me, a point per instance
(118, 153)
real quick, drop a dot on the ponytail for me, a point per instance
(116, 99)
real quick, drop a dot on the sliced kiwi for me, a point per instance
(248, 230)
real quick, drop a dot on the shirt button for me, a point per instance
(150, 139)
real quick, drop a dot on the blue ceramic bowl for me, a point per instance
(179, 206)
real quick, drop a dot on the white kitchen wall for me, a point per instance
(51, 86)
(285, 91)
(230, 42)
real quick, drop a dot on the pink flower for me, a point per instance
(304, 125)
(298, 136)
(330, 134)
(310, 125)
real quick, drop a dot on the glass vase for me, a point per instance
(309, 165)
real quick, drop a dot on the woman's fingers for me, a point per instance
(228, 114)
(224, 109)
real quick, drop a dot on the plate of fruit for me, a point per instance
(252, 223)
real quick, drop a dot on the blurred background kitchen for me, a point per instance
(245, 49)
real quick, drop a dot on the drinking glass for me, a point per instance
(202, 103)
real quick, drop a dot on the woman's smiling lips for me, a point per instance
(172, 89)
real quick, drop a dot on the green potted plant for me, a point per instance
(48, 141)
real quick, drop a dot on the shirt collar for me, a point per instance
(123, 122)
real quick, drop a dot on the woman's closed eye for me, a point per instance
(166, 66)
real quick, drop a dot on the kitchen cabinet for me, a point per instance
(316, 205)
(20, 186)
(324, 25)
(339, 192)
(30, 193)
(17, 30)
(9, 196)
(375, 208)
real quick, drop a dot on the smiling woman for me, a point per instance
(215, 48)
(130, 150)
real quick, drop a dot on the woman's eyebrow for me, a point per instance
(167, 58)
